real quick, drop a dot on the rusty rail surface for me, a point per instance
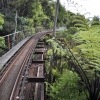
(23, 78)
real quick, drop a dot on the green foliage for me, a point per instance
(57, 47)
(8, 7)
(80, 22)
(1, 21)
(76, 22)
(72, 30)
(31, 11)
(41, 12)
(24, 23)
(95, 21)
(61, 16)
(48, 8)
(2, 41)
(61, 34)
(87, 49)
(66, 87)
(55, 72)
(36, 12)
(65, 84)
(66, 34)
(69, 17)
(9, 25)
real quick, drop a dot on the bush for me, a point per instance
(2, 41)
(72, 30)
(1, 21)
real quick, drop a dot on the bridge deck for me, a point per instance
(6, 57)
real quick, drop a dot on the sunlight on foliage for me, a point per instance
(87, 46)
(56, 47)
(1, 21)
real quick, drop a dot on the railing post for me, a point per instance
(8, 42)
(31, 32)
(16, 38)
(23, 34)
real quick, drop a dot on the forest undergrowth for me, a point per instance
(73, 65)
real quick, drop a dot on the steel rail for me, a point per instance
(18, 58)
(19, 74)
(16, 67)
(11, 65)
(13, 97)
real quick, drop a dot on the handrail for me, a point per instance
(9, 42)
(16, 32)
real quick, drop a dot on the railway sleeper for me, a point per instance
(36, 79)
(38, 61)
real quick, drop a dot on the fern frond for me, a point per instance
(78, 21)
(80, 25)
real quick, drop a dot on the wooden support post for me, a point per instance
(16, 37)
(23, 34)
(8, 42)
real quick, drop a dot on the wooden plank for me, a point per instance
(38, 52)
(36, 79)
(38, 61)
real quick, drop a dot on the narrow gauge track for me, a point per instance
(12, 75)
(32, 91)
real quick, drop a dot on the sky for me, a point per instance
(91, 6)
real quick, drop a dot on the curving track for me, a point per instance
(10, 79)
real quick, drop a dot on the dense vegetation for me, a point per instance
(74, 65)
(38, 13)
(73, 58)
(30, 14)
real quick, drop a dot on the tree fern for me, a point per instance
(80, 22)
(88, 44)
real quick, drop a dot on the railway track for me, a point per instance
(14, 83)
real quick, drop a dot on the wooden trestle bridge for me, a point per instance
(22, 73)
